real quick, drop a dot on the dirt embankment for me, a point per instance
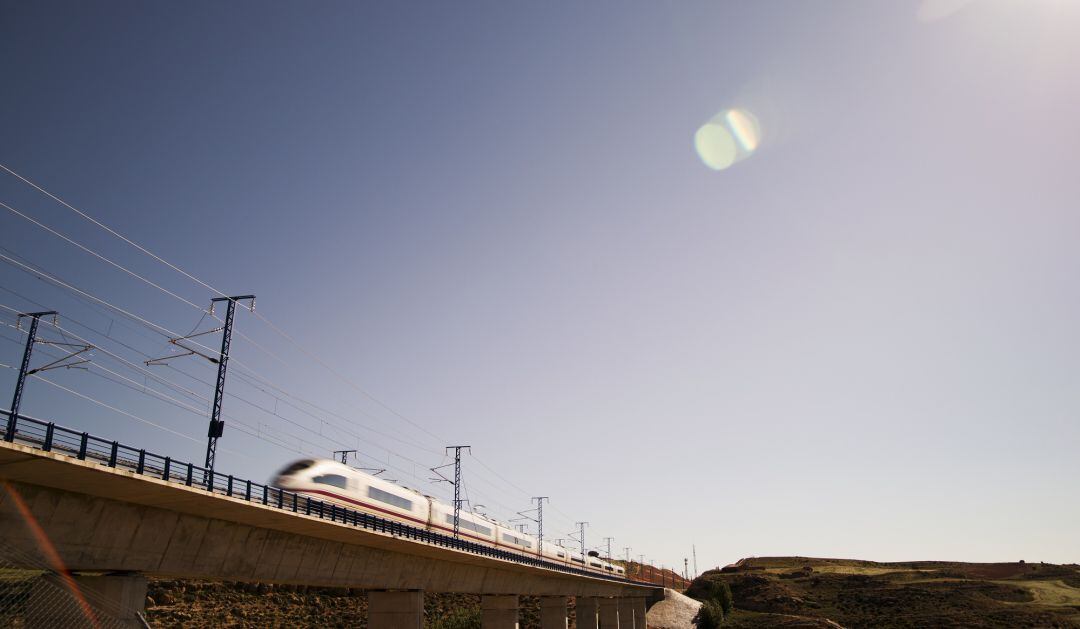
(205, 604)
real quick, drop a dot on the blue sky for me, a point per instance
(859, 341)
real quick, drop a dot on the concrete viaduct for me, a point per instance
(99, 517)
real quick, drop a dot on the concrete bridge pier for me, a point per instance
(609, 613)
(499, 611)
(396, 610)
(587, 607)
(626, 613)
(77, 601)
(553, 612)
(640, 610)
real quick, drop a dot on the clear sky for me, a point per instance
(861, 340)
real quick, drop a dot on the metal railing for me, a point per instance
(49, 437)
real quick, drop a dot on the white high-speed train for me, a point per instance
(336, 482)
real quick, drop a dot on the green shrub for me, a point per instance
(710, 616)
(457, 619)
(721, 593)
(716, 590)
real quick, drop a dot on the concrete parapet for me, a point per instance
(499, 611)
(396, 610)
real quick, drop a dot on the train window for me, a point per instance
(609, 568)
(389, 498)
(562, 555)
(336, 480)
(465, 524)
(516, 540)
(594, 564)
(296, 467)
(578, 560)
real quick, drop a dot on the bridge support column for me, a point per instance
(626, 613)
(396, 610)
(639, 612)
(553, 612)
(108, 600)
(609, 613)
(499, 612)
(586, 611)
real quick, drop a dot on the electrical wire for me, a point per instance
(174, 267)
(135, 386)
(171, 334)
(99, 256)
(311, 355)
(111, 408)
(199, 397)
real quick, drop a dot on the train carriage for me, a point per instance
(338, 483)
(471, 526)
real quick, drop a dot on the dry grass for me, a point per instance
(1050, 593)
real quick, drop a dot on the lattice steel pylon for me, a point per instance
(217, 425)
(24, 366)
(540, 523)
(20, 382)
(456, 483)
(581, 539)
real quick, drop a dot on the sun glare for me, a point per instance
(934, 10)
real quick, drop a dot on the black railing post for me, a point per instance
(82, 446)
(209, 478)
(142, 462)
(247, 491)
(189, 471)
(12, 426)
(49, 436)
(266, 494)
(112, 454)
(228, 492)
(280, 498)
(166, 472)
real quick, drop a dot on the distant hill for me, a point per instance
(809, 592)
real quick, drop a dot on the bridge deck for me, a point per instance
(103, 518)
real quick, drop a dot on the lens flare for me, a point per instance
(715, 146)
(745, 128)
(730, 136)
(47, 549)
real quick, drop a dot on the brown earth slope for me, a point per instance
(195, 604)
(805, 592)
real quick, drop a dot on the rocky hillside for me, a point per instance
(808, 592)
